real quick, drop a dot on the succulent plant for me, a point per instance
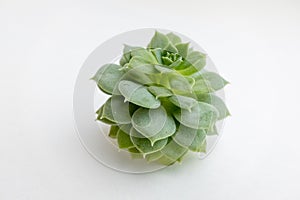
(162, 102)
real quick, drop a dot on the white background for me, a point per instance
(254, 44)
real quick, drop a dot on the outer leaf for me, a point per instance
(163, 69)
(125, 128)
(124, 140)
(166, 160)
(173, 38)
(135, 153)
(183, 101)
(196, 61)
(149, 122)
(159, 40)
(192, 139)
(144, 74)
(217, 102)
(212, 80)
(182, 49)
(173, 151)
(202, 116)
(158, 91)
(157, 53)
(178, 83)
(153, 156)
(144, 145)
(107, 78)
(171, 48)
(113, 131)
(116, 110)
(127, 54)
(146, 55)
(101, 118)
(138, 94)
(167, 130)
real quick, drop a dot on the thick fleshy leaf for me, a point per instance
(178, 84)
(171, 48)
(144, 74)
(113, 131)
(196, 61)
(102, 119)
(144, 145)
(201, 116)
(108, 77)
(166, 60)
(116, 110)
(159, 91)
(166, 160)
(167, 130)
(173, 38)
(127, 54)
(190, 138)
(217, 102)
(182, 49)
(173, 150)
(159, 40)
(124, 140)
(135, 153)
(208, 82)
(149, 122)
(157, 54)
(183, 101)
(138, 94)
(163, 69)
(153, 156)
(145, 54)
(125, 128)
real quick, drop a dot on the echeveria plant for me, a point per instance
(162, 101)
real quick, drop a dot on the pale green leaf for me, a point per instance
(171, 48)
(127, 54)
(144, 74)
(182, 49)
(116, 110)
(183, 101)
(192, 139)
(145, 54)
(138, 94)
(217, 102)
(159, 91)
(144, 145)
(153, 156)
(211, 80)
(157, 53)
(173, 38)
(201, 116)
(101, 118)
(149, 122)
(108, 77)
(159, 40)
(167, 130)
(196, 61)
(173, 150)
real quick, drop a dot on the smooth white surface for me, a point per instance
(254, 44)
